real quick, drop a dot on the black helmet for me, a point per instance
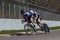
(22, 11)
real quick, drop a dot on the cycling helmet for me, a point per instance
(22, 11)
(31, 11)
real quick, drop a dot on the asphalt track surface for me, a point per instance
(53, 35)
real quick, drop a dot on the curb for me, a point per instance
(23, 33)
(4, 35)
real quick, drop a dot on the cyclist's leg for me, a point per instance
(32, 26)
(39, 22)
(30, 19)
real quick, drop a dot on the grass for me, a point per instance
(55, 28)
(10, 31)
(15, 31)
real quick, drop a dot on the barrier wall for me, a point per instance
(15, 24)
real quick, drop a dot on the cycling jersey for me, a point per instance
(37, 15)
(27, 16)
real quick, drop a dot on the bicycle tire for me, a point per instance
(28, 29)
(46, 28)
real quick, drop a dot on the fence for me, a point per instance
(10, 14)
(11, 10)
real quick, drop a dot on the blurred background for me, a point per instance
(49, 9)
(10, 16)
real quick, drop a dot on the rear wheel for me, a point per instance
(45, 28)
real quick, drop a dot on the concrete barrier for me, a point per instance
(15, 24)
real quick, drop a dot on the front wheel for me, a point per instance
(28, 29)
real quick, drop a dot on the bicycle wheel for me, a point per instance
(28, 29)
(46, 28)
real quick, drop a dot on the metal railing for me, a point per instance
(12, 10)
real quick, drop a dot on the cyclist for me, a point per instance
(37, 18)
(28, 17)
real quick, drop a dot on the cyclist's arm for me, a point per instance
(23, 20)
(24, 17)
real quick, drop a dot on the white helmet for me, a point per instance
(31, 11)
